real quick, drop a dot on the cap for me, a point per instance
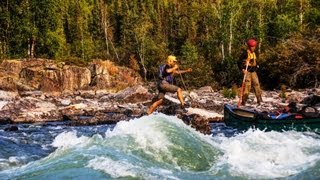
(171, 59)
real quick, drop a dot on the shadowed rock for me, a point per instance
(11, 128)
(197, 122)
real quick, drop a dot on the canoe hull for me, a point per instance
(242, 119)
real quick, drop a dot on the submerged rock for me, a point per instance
(11, 128)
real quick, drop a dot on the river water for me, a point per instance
(155, 147)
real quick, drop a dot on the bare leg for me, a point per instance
(180, 96)
(154, 106)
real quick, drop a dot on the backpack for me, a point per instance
(163, 75)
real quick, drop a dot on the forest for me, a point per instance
(206, 35)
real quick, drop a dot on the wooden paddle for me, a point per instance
(243, 83)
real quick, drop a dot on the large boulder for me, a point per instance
(30, 78)
(128, 77)
(9, 74)
(106, 75)
(133, 95)
(100, 71)
(52, 76)
(12, 67)
(75, 78)
(32, 73)
(51, 81)
(8, 83)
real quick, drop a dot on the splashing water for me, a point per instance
(163, 147)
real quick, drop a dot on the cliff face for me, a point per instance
(51, 76)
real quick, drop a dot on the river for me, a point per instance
(155, 147)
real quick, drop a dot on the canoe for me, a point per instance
(243, 119)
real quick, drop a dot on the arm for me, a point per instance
(183, 71)
(242, 61)
(173, 69)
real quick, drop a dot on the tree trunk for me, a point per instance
(222, 45)
(141, 57)
(6, 39)
(104, 24)
(82, 41)
(222, 51)
(301, 14)
(231, 35)
(81, 24)
(260, 26)
(115, 51)
(31, 47)
(1, 50)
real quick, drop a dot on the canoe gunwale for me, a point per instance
(231, 118)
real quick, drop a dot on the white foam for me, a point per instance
(115, 169)
(69, 139)
(15, 160)
(123, 168)
(269, 154)
(144, 132)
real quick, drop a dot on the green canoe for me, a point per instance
(243, 119)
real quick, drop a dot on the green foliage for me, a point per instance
(293, 62)
(227, 72)
(206, 35)
(285, 26)
(202, 73)
(313, 15)
(228, 93)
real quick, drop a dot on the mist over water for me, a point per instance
(156, 147)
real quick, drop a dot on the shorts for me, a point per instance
(164, 87)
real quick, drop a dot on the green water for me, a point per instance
(163, 147)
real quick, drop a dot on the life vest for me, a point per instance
(164, 75)
(252, 59)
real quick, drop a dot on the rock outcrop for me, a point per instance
(40, 90)
(54, 77)
(79, 107)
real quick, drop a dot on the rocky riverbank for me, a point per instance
(39, 91)
(102, 107)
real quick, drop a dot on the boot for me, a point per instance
(184, 106)
(244, 99)
(259, 99)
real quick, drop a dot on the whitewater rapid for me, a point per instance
(163, 147)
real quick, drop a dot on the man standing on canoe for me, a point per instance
(165, 82)
(248, 65)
